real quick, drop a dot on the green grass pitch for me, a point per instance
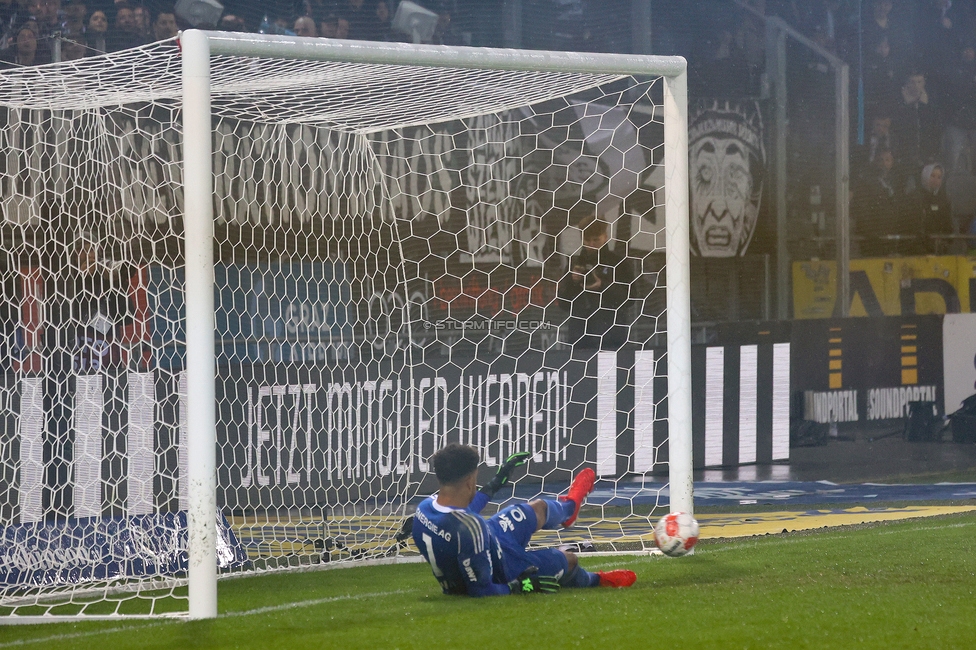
(902, 585)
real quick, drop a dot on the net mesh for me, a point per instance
(405, 257)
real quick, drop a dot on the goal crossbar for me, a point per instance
(199, 46)
(346, 51)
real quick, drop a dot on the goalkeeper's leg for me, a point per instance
(553, 514)
(513, 527)
(565, 566)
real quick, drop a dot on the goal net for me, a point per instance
(403, 255)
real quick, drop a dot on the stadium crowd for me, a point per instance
(917, 64)
(913, 68)
(34, 30)
(913, 87)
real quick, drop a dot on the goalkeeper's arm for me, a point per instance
(504, 473)
(477, 570)
(474, 563)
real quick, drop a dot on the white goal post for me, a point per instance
(197, 49)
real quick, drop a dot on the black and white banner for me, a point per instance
(121, 436)
(743, 414)
(293, 435)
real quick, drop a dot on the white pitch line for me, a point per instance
(77, 635)
(310, 603)
(250, 612)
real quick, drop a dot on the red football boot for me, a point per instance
(618, 578)
(582, 485)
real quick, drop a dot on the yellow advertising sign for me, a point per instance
(897, 286)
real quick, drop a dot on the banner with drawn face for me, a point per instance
(727, 162)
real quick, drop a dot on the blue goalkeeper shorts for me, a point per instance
(513, 527)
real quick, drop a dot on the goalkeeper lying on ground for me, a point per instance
(478, 557)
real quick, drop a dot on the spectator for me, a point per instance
(917, 125)
(384, 28)
(74, 18)
(361, 19)
(305, 26)
(73, 47)
(932, 212)
(232, 23)
(881, 77)
(960, 131)
(143, 23)
(46, 14)
(99, 304)
(445, 33)
(878, 140)
(25, 45)
(97, 29)
(879, 206)
(596, 290)
(11, 16)
(881, 27)
(878, 26)
(282, 25)
(334, 26)
(164, 27)
(317, 9)
(125, 33)
(327, 26)
(125, 20)
(342, 28)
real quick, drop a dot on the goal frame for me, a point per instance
(199, 46)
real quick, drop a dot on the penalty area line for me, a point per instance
(20, 643)
(748, 543)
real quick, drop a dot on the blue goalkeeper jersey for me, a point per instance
(457, 543)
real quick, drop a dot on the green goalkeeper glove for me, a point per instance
(530, 582)
(501, 476)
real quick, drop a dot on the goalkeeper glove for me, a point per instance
(501, 476)
(406, 530)
(530, 582)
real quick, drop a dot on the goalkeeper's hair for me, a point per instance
(454, 462)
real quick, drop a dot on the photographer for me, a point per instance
(596, 290)
(88, 303)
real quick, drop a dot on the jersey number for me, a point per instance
(430, 556)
